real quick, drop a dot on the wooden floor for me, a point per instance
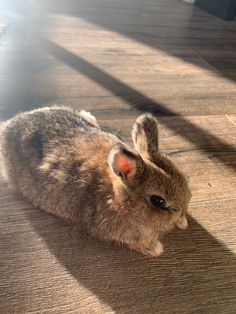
(118, 58)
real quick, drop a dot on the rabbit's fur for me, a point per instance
(63, 162)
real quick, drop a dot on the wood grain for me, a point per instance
(118, 59)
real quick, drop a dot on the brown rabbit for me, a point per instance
(63, 162)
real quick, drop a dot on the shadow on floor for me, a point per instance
(194, 274)
(140, 102)
(168, 25)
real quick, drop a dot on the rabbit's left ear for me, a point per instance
(126, 164)
(145, 135)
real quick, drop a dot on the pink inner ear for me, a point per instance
(126, 165)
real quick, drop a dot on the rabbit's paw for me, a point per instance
(155, 249)
(182, 223)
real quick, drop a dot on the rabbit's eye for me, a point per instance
(158, 201)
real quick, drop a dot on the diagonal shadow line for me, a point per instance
(192, 19)
(195, 254)
(144, 103)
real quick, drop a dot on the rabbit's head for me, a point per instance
(148, 185)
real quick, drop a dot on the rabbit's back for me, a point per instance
(50, 123)
(43, 153)
(29, 136)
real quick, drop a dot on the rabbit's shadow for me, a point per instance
(195, 272)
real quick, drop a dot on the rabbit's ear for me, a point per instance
(145, 135)
(125, 163)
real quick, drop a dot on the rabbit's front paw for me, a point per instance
(155, 249)
(182, 223)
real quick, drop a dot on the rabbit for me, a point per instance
(63, 162)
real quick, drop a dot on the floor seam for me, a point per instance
(211, 66)
(230, 119)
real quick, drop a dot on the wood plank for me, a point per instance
(78, 86)
(232, 118)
